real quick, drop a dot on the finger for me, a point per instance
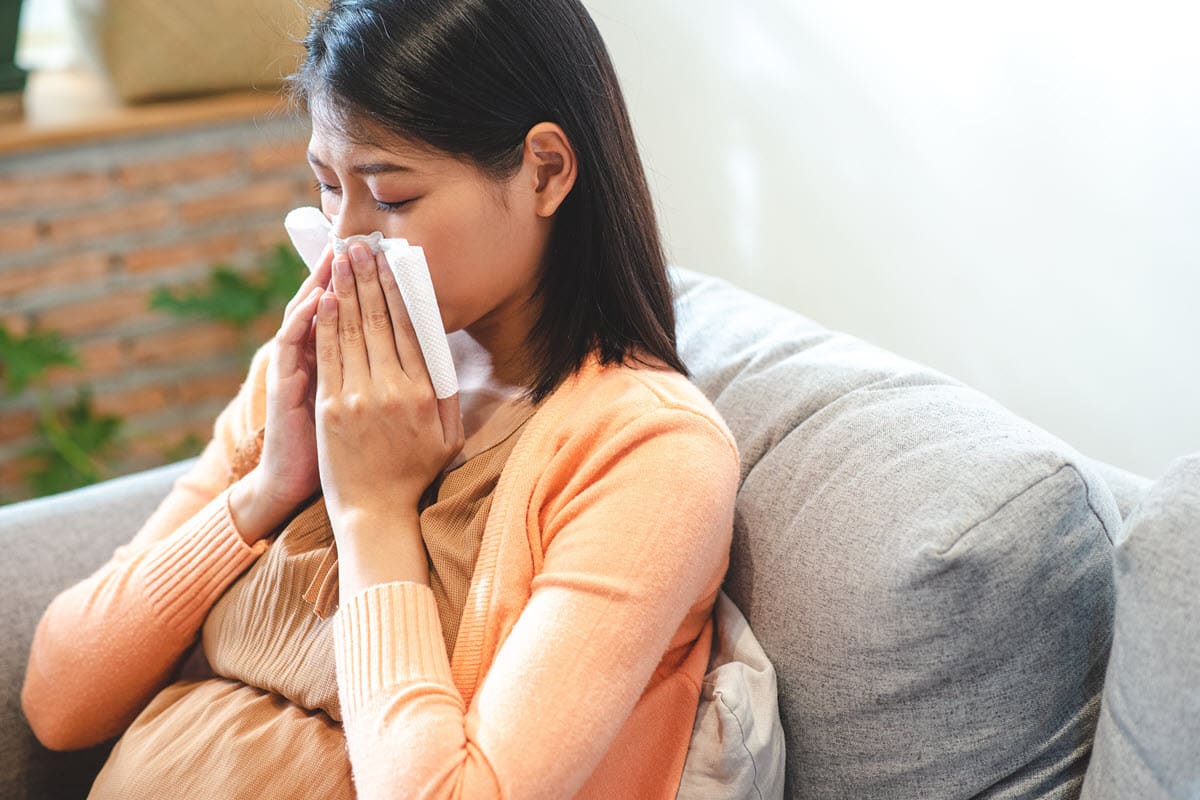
(377, 322)
(329, 361)
(318, 277)
(293, 333)
(452, 424)
(412, 360)
(349, 325)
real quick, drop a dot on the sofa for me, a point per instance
(957, 604)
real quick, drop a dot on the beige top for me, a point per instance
(265, 703)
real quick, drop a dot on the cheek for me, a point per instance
(456, 247)
(467, 244)
(443, 254)
(449, 268)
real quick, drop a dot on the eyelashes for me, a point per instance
(325, 188)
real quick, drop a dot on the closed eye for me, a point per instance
(382, 206)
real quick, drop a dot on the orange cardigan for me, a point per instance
(584, 640)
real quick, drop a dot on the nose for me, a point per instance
(353, 219)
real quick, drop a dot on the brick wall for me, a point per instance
(88, 232)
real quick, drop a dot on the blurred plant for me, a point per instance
(238, 299)
(24, 358)
(74, 445)
(77, 445)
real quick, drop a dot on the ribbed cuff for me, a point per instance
(192, 567)
(387, 635)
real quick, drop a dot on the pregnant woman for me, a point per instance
(360, 589)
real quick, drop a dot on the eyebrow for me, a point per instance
(377, 168)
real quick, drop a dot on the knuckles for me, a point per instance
(382, 400)
(359, 406)
(378, 321)
(329, 353)
(425, 404)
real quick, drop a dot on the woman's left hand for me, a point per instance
(382, 434)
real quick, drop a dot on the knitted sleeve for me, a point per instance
(105, 646)
(636, 530)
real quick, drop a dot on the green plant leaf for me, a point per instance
(229, 297)
(74, 445)
(233, 297)
(25, 358)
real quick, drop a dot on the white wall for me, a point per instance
(1007, 192)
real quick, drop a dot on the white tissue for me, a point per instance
(310, 231)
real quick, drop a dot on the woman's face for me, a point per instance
(483, 241)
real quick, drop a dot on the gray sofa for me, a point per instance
(932, 576)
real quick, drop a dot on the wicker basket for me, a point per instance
(151, 49)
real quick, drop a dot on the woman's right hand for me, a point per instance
(287, 470)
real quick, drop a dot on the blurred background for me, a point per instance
(1005, 192)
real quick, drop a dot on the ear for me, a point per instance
(550, 160)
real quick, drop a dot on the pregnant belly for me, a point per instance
(223, 738)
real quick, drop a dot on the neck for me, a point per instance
(503, 335)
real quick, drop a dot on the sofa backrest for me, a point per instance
(930, 574)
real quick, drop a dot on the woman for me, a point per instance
(524, 591)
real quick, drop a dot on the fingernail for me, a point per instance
(359, 253)
(341, 267)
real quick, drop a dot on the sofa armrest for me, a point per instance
(49, 544)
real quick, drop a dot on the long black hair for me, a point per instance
(470, 78)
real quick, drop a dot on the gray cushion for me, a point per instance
(1148, 740)
(1127, 487)
(929, 573)
(50, 544)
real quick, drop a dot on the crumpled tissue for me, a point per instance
(310, 231)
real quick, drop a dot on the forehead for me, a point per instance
(332, 145)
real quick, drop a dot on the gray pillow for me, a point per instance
(929, 574)
(1148, 740)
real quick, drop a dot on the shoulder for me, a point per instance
(634, 403)
(633, 446)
